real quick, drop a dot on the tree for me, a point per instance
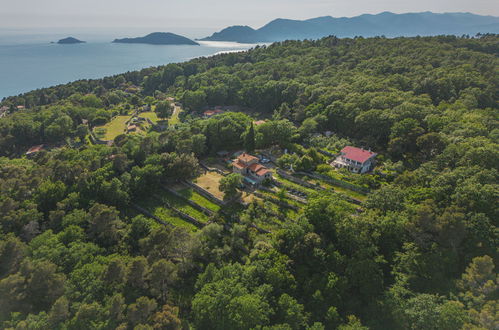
(194, 101)
(249, 138)
(104, 225)
(167, 319)
(230, 184)
(162, 276)
(137, 275)
(59, 312)
(116, 308)
(479, 282)
(291, 312)
(140, 311)
(164, 109)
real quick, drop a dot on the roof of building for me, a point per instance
(238, 164)
(259, 122)
(357, 154)
(34, 149)
(246, 158)
(255, 167)
(212, 112)
(132, 127)
(262, 171)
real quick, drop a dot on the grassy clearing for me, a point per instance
(112, 129)
(210, 182)
(197, 198)
(183, 206)
(152, 116)
(174, 119)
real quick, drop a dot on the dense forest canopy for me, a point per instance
(420, 252)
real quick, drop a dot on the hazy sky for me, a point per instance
(198, 16)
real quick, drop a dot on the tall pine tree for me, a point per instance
(249, 138)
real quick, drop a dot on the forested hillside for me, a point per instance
(419, 251)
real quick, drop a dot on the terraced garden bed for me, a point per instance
(182, 206)
(159, 210)
(328, 185)
(197, 198)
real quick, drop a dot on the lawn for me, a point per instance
(152, 116)
(174, 120)
(197, 198)
(112, 129)
(210, 181)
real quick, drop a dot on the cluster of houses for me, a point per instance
(356, 160)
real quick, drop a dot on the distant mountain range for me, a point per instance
(158, 38)
(387, 24)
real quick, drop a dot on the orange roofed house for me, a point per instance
(356, 160)
(247, 165)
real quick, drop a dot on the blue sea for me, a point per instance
(33, 65)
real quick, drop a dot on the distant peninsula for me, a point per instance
(158, 38)
(383, 24)
(70, 40)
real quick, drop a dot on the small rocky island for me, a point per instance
(158, 38)
(69, 41)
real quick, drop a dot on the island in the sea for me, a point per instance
(70, 40)
(158, 38)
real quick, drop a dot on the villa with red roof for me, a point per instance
(210, 113)
(356, 160)
(248, 166)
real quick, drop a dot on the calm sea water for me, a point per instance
(24, 67)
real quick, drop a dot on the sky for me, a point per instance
(197, 18)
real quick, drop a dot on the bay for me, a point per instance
(25, 67)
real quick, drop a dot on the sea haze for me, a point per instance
(24, 67)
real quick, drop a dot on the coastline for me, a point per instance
(27, 67)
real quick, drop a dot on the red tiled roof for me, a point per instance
(237, 164)
(259, 122)
(246, 158)
(357, 154)
(212, 112)
(262, 171)
(255, 167)
(34, 149)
